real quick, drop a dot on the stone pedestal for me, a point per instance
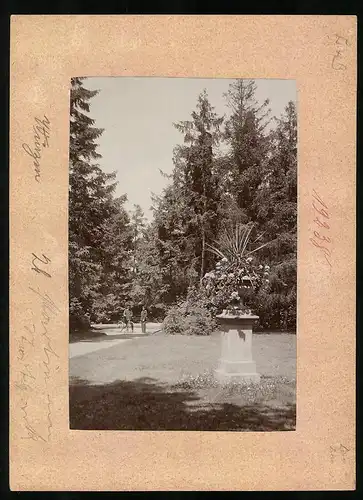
(236, 363)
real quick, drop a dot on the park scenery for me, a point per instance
(182, 254)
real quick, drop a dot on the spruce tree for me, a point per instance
(95, 217)
(245, 134)
(198, 176)
(137, 224)
(277, 215)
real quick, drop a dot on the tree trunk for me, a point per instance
(203, 254)
(135, 243)
(202, 265)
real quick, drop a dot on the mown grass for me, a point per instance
(163, 382)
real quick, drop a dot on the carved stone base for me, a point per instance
(236, 363)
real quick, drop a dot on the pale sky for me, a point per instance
(137, 115)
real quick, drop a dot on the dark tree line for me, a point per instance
(227, 170)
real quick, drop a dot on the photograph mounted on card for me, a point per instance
(182, 253)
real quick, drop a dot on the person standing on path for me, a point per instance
(143, 319)
(128, 319)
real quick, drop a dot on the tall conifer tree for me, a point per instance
(277, 215)
(94, 213)
(245, 134)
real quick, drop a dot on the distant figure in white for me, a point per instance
(143, 319)
(128, 319)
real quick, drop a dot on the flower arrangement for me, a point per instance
(229, 285)
(237, 276)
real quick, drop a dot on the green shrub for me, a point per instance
(79, 320)
(189, 319)
(277, 311)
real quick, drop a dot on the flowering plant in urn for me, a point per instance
(237, 275)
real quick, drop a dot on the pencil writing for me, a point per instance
(320, 238)
(38, 358)
(341, 44)
(41, 134)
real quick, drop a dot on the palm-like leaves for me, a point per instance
(235, 245)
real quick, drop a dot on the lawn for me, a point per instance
(166, 382)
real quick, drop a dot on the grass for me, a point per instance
(164, 382)
(145, 404)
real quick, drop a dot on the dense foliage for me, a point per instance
(100, 238)
(189, 318)
(228, 172)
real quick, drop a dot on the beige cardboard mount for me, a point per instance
(319, 52)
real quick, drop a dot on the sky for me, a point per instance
(137, 116)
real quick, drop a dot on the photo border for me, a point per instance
(320, 454)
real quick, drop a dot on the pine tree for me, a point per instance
(174, 245)
(116, 267)
(277, 215)
(138, 224)
(245, 134)
(186, 214)
(196, 163)
(148, 288)
(93, 214)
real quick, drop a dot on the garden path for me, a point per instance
(110, 336)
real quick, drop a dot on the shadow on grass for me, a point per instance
(144, 404)
(87, 336)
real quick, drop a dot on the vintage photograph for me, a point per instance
(182, 254)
